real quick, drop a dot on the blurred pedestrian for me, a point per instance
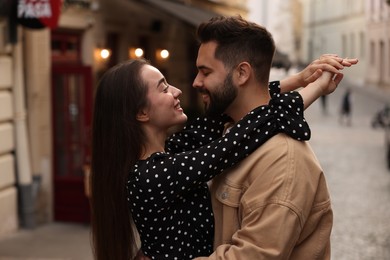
(346, 108)
(324, 104)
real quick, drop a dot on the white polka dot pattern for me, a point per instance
(168, 194)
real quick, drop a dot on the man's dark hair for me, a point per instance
(238, 41)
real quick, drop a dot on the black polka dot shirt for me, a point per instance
(167, 193)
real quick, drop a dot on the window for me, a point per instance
(344, 46)
(65, 47)
(3, 33)
(372, 53)
(382, 62)
(353, 44)
(362, 45)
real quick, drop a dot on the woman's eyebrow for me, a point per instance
(162, 80)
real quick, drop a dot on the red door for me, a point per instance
(71, 117)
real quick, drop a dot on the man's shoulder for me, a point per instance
(276, 156)
(282, 142)
(281, 158)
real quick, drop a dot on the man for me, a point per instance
(233, 79)
(275, 204)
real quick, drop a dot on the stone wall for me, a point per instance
(8, 191)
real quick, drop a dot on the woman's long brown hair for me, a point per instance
(117, 139)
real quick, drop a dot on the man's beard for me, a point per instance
(222, 97)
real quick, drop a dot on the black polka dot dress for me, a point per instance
(167, 193)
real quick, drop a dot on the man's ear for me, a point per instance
(244, 70)
(142, 116)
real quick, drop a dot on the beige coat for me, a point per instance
(273, 205)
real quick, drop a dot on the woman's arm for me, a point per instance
(197, 133)
(325, 85)
(327, 62)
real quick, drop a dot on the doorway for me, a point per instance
(71, 119)
(71, 112)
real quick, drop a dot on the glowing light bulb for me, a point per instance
(104, 53)
(139, 52)
(164, 54)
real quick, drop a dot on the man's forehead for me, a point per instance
(208, 48)
(206, 55)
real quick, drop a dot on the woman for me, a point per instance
(166, 190)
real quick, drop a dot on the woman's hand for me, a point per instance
(327, 62)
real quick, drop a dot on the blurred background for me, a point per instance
(53, 52)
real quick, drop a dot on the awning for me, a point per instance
(187, 13)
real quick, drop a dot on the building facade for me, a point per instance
(8, 190)
(278, 17)
(341, 30)
(305, 29)
(378, 42)
(357, 29)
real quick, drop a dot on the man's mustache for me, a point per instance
(203, 91)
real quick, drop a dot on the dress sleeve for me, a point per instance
(274, 88)
(199, 132)
(288, 112)
(204, 130)
(175, 174)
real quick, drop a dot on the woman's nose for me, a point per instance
(176, 92)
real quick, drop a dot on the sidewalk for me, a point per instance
(54, 241)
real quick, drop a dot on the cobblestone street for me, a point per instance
(353, 159)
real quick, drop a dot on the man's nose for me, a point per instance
(197, 82)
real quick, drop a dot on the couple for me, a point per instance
(273, 205)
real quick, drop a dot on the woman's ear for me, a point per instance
(244, 70)
(142, 116)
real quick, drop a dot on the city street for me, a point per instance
(353, 159)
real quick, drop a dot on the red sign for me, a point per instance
(39, 13)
